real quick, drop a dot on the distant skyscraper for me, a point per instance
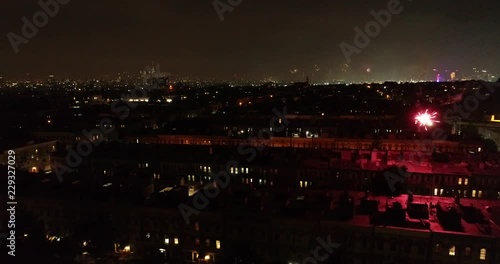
(453, 76)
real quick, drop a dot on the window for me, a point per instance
(207, 242)
(380, 245)
(197, 226)
(459, 181)
(437, 248)
(421, 249)
(466, 181)
(197, 241)
(394, 246)
(167, 241)
(451, 251)
(301, 184)
(176, 241)
(473, 193)
(217, 244)
(482, 254)
(467, 251)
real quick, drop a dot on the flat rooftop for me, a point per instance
(475, 229)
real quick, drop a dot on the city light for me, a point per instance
(494, 120)
(426, 119)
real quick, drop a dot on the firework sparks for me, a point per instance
(426, 119)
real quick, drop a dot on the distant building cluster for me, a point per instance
(350, 173)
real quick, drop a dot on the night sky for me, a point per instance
(259, 39)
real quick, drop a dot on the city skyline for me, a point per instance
(257, 40)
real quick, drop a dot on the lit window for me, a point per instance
(479, 194)
(217, 244)
(451, 252)
(435, 191)
(301, 184)
(126, 249)
(466, 181)
(473, 193)
(459, 181)
(247, 170)
(176, 241)
(167, 241)
(482, 254)
(232, 170)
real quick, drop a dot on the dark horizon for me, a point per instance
(257, 40)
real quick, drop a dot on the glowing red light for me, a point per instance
(426, 119)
